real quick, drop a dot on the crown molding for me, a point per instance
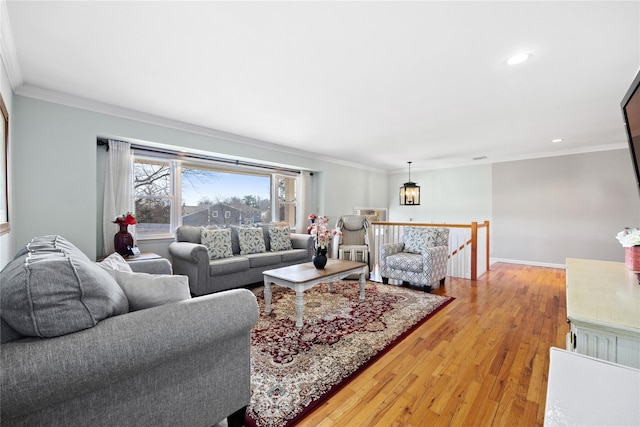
(98, 107)
(8, 53)
(457, 163)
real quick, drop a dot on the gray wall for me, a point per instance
(6, 240)
(542, 210)
(57, 177)
(549, 209)
(457, 195)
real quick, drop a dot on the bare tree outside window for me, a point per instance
(152, 186)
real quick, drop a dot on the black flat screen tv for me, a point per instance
(631, 112)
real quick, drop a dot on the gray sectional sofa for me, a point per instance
(72, 354)
(191, 258)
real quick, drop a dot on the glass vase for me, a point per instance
(123, 240)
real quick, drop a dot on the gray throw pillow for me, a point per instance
(145, 290)
(53, 289)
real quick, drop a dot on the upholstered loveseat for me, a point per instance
(73, 354)
(421, 258)
(219, 259)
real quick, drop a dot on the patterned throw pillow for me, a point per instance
(416, 239)
(251, 240)
(217, 241)
(280, 238)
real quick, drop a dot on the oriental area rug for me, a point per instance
(294, 370)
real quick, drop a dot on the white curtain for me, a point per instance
(303, 196)
(118, 190)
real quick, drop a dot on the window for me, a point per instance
(172, 191)
(287, 200)
(152, 183)
(245, 197)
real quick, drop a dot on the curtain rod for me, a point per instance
(147, 149)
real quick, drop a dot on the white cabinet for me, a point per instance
(603, 308)
(583, 391)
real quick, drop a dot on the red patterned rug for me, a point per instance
(294, 370)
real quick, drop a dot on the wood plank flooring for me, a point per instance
(481, 361)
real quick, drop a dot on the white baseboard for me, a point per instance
(533, 263)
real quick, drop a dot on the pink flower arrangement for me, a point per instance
(321, 233)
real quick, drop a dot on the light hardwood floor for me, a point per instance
(481, 361)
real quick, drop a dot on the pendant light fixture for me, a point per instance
(410, 192)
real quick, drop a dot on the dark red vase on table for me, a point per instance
(123, 240)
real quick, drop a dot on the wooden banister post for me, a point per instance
(474, 251)
(486, 223)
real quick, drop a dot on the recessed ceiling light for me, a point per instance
(518, 58)
(557, 140)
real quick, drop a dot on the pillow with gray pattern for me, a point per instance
(51, 288)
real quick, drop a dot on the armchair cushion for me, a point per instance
(51, 288)
(151, 290)
(217, 242)
(406, 262)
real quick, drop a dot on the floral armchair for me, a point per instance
(421, 258)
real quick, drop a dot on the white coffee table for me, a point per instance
(301, 277)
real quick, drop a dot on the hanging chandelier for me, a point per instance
(410, 192)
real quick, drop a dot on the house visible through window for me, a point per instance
(171, 191)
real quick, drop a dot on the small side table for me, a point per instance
(144, 256)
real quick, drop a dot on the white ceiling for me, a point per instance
(378, 83)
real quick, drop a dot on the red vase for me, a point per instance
(123, 240)
(632, 258)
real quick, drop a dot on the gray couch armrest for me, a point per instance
(191, 260)
(188, 251)
(303, 241)
(121, 361)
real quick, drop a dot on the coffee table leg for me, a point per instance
(299, 308)
(362, 283)
(267, 296)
